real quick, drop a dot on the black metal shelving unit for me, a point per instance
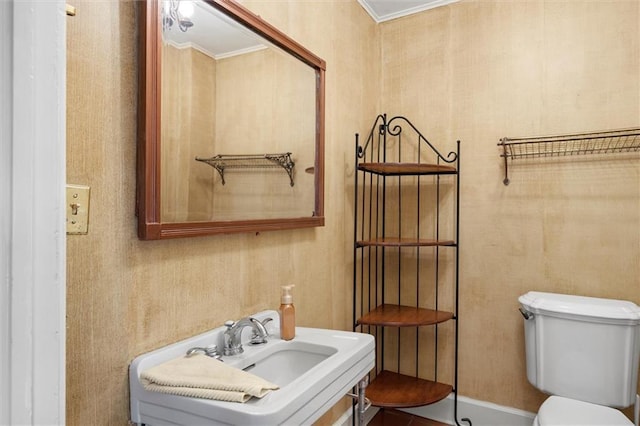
(405, 263)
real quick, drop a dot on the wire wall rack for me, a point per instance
(603, 142)
(250, 161)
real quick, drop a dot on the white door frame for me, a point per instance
(32, 212)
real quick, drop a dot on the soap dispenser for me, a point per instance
(287, 314)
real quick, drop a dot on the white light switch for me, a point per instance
(77, 209)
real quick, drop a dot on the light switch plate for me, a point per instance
(77, 209)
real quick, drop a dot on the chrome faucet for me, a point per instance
(233, 334)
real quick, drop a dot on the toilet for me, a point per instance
(584, 351)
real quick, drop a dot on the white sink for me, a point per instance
(314, 371)
(283, 362)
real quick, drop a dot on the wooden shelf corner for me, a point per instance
(391, 389)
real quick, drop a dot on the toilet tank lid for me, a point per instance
(581, 306)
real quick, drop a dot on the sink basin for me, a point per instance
(283, 362)
(314, 370)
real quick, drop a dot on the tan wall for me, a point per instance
(267, 104)
(477, 71)
(125, 296)
(188, 123)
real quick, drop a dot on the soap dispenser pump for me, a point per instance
(287, 314)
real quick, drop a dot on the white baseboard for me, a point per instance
(481, 413)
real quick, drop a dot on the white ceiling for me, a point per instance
(214, 34)
(218, 36)
(385, 10)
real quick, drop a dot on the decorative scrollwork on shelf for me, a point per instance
(393, 127)
(250, 161)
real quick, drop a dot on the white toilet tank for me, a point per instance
(583, 348)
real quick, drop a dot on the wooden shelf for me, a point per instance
(404, 242)
(403, 316)
(394, 417)
(402, 169)
(390, 389)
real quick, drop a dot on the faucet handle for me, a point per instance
(259, 331)
(211, 350)
(265, 321)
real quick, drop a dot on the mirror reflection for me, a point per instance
(238, 121)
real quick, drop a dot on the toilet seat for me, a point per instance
(560, 411)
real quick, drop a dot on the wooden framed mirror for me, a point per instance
(230, 126)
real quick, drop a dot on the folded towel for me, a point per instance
(200, 376)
